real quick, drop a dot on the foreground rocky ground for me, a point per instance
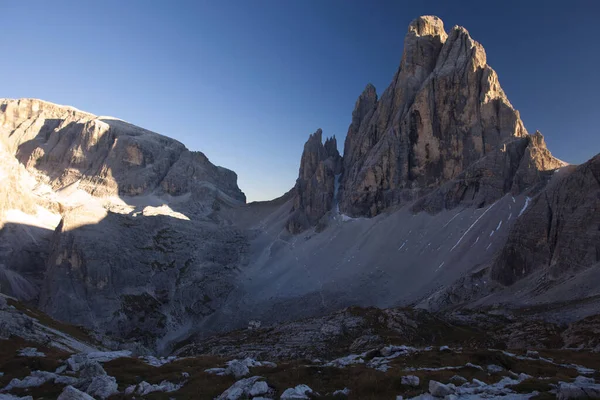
(355, 353)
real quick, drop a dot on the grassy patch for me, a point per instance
(15, 366)
(531, 385)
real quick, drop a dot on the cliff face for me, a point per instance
(559, 233)
(106, 156)
(111, 226)
(443, 111)
(443, 132)
(523, 164)
(315, 187)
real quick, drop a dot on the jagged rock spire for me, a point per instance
(443, 111)
(315, 187)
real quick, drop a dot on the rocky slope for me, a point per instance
(357, 354)
(111, 226)
(316, 185)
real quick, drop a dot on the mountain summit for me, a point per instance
(443, 112)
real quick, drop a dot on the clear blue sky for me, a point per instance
(247, 81)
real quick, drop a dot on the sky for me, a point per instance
(247, 81)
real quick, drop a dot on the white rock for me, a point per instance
(582, 388)
(165, 386)
(445, 348)
(130, 389)
(70, 393)
(494, 369)
(410, 380)
(8, 396)
(78, 360)
(216, 371)
(37, 378)
(584, 380)
(470, 365)
(438, 389)
(477, 382)
(233, 394)
(523, 376)
(157, 362)
(31, 352)
(259, 388)
(102, 386)
(90, 370)
(458, 379)
(66, 380)
(345, 361)
(243, 387)
(60, 369)
(343, 392)
(532, 354)
(237, 369)
(299, 392)
(396, 351)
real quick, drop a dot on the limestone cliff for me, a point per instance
(111, 226)
(315, 187)
(106, 156)
(559, 233)
(443, 111)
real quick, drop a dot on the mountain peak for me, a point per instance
(427, 25)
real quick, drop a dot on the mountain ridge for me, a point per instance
(151, 242)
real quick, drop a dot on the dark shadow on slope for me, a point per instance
(23, 253)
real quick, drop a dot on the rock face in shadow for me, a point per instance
(559, 233)
(443, 111)
(521, 165)
(315, 187)
(142, 278)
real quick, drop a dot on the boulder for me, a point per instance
(102, 386)
(438, 389)
(244, 387)
(410, 380)
(70, 393)
(297, 393)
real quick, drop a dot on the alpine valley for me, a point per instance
(445, 254)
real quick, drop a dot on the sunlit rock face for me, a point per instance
(106, 156)
(443, 118)
(443, 111)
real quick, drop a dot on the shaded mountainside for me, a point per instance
(549, 263)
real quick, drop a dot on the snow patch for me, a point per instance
(471, 227)
(527, 200)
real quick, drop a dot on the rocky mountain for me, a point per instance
(115, 227)
(444, 117)
(441, 200)
(316, 185)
